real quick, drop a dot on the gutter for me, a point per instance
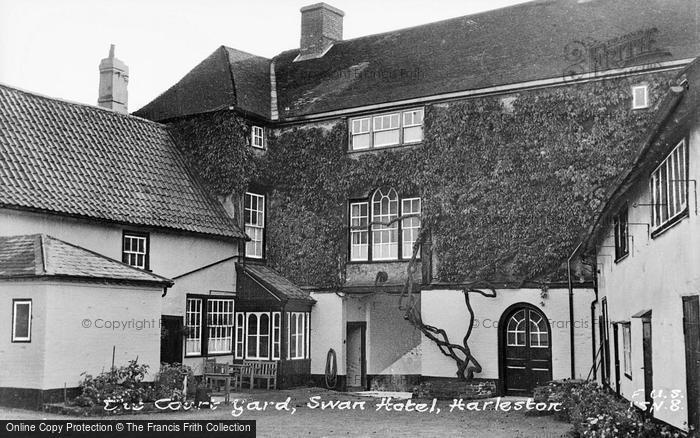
(571, 311)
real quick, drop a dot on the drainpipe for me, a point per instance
(594, 303)
(571, 311)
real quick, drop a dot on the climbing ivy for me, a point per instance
(508, 190)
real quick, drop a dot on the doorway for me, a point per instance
(355, 348)
(691, 328)
(648, 371)
(526, 349)
(171, 339)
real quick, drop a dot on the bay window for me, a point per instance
(298, 335)
(258, 335)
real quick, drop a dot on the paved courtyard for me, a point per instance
(339, 422)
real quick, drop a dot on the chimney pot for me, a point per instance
(321, 26)
(114, 77)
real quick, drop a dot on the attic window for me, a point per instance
(386, 130)
(640, 96)
(257, 136)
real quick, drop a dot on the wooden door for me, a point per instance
(171, 339)
(528, 351)
(355, 354)
(691, 330)
(648, 371)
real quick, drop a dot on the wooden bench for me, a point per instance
(257, 369)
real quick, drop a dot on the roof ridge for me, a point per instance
(432, 23)
(61, 100)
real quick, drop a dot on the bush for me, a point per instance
(595, 412)
(170, 381)
(124, 383)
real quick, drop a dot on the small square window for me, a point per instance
(21, 320)
(257, 137)
(640, 96)
(135, 249)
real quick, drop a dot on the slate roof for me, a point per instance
(227, 78)
(84, 161)
(530, 41)
(679, 108)
(39, 255)
(275, 283)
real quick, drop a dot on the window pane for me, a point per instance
(360, 141)
(386, 138)
(21, 320)
(413, 134)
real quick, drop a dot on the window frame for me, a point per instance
(147, 246)
(260, 136)
(258, 336)
(627, 349)
(14, 337)
(621, 233)
(261, 228)
(668, 187)
(636, 105)
(372, 129)
(370, 229)
(301, 335)
(204, 326)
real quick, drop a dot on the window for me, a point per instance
(515, 332)
(298, 335)
(21, 320)
(240, 335)
(254, 224)
(539, 334)
(219, 325)
(669, 188)
(258, 335)
(135, 249)
(640, 96)
(210, 326)
(385, 130)
(384, 245)
(621, 234)
(627, 350)
(257, 136)
(193, 321)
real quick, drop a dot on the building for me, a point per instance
(116, 185)
(497, 134)
(646, 249)
(55, 290)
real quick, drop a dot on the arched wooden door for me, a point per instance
(526, 344)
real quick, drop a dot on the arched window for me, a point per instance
(385, 238)
(381, 241)
(516, 329)
(539, 335)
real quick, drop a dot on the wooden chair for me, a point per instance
(217, 374)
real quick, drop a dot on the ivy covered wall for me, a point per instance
(508, 186)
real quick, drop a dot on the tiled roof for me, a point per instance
(530, 41)
(274, 282)
(525, 42)
(228, 78)
(85, 161)
(39, 255)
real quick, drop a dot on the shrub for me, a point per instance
(170, 381)
(595, 412)
(124, 383)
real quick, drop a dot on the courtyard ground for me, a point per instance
(307, 422)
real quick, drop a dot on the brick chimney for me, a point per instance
(321, 26)
(114, 76)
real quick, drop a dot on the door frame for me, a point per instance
(648, 360)
(692, 355)
(363, 350)
(617, 358)
(502, 327)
